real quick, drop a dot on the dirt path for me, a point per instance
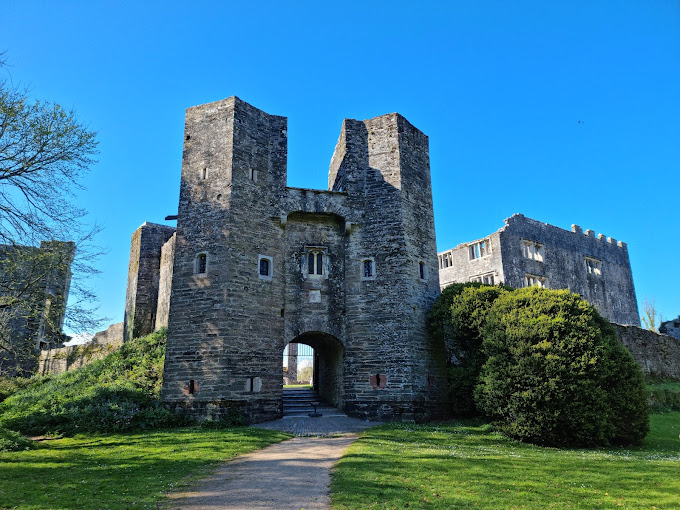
(291, 475)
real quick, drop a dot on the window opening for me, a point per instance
(532, 250)
(205, 173)
(533, 280)
(201, 263)
(310, 263)
(264, 267)
(479, 250)
(319, 263)
(368, 268)
(253, 175)
(315, 260)
(487, 279)
(421, 269)
(593, 266)
(192, 386)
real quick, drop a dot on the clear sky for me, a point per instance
(499, 88)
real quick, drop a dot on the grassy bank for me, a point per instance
(118, 471)
(468, 465)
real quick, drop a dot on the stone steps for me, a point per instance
(298, 403)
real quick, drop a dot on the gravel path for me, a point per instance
(291, 475)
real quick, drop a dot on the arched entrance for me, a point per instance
(327, 364)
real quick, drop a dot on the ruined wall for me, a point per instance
(657, 354)
(459, 265)
(671, 328)
(141, 299)
(62, 359)
(528, 252)
(165, 282)
(34, 287)
(564, 265)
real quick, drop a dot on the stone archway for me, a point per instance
(328, 365)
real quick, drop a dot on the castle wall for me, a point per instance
(528, 252)
(457, 265)
(165, 283)
(62, 359)
(35, 287)
(141, 298)
(564, 265)
(657, 354)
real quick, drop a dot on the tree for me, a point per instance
(649, 316)
(44, 153)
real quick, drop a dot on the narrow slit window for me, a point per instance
(201, 263)
(421, 270)
(319, 263)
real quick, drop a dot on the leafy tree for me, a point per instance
(44, 153)
(557, 375)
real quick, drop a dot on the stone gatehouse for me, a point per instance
(255, 265)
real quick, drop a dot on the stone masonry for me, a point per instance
(144, 278)
(350, 271)
(671, 328)
(527, 252)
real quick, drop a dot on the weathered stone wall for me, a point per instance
(62, 359)
(562, 264)
(456, 265)
(141, 299)
(657, 354)
(671, 328)
(165, 282)
(228, 325)
(34, 316)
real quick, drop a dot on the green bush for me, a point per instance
(665, 395)
(458, 319)
(557, 375)
(10, 385)
(117, 393)
(11, 441)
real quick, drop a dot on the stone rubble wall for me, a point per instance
(63, 359)
(671, 328)
(657, 354)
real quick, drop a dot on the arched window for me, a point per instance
(315, 260)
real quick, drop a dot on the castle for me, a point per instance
(254, 266)
(526, 252)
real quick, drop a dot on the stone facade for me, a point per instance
(34, 287)
(527, 252)
(55, 360)
(350, 271)
(144, 279)
(657, 354)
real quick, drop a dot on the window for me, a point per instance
(253, 175)
(445, 260)
(314, 261)
(486, 279)
(534, 280)
(532, 250)
(593, 266)
(265, 267)
(368, 269)
(422, 270)
(201, 263)
(479, 250)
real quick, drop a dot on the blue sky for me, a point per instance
(499, 87)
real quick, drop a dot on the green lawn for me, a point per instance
(118, 471)
(468, 465)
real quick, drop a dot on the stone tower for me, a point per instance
(351, 271)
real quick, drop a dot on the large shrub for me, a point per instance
(458, 318)
(119, 392)
(557, 375)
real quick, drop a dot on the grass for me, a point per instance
(298, 386)
(119, 471)
(469, 465)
